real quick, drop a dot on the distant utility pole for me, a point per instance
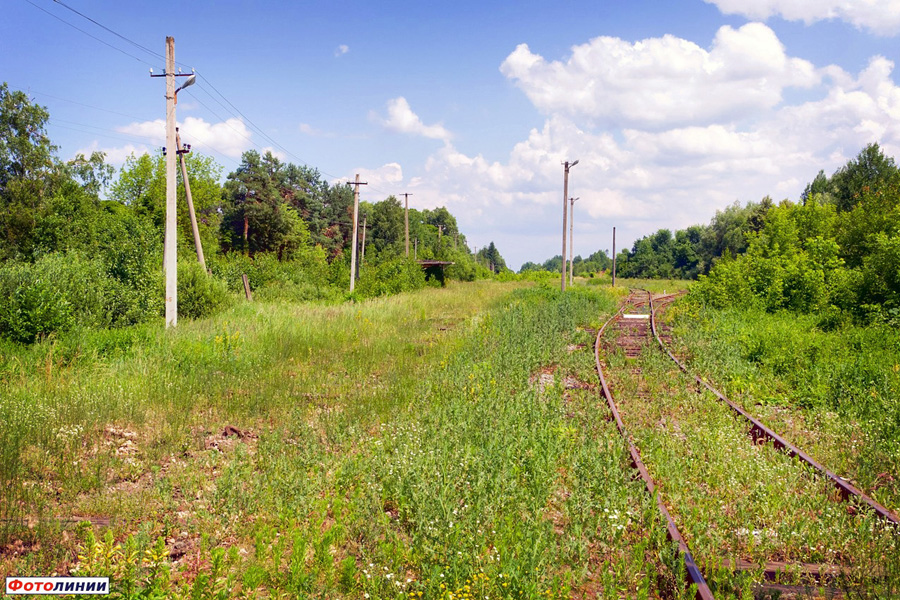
(187, 192)
(170, 247)
(614, 258)
(406, 220)
(357, 183)
(572, 240)
(416, 255)
(567, 165)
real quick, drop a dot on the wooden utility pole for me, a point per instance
(572, 241)
(170, 249)
(187, 192)
(416, 255)
(614, 258)
(406, 220)
(353, 273)
(567, 165)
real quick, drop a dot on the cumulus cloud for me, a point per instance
(402, 119)
(671, 175)
(663, 81)
(385, 177)
(659, 144)
(341, 50)
(879, 16)
(229, 138)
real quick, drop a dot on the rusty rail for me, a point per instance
(760, 431)
(691, 570)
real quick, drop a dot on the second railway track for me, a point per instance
(745, 507)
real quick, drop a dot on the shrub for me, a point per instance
(390, 277)
(53, 294)
(199, 294)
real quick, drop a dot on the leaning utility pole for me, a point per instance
(362, 258)
(187, 192)
(614, 258)
(572, 240)
(355, 230)
(567, 165)
(406, 220)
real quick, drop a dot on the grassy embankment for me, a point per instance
(437, 444)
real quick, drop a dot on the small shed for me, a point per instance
(434, 268)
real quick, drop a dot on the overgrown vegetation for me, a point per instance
(421, 444)
(69, 259)
(834, 254)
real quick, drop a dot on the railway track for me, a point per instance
(634, 328)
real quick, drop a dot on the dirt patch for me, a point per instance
(543, 379)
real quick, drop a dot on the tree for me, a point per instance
(871, 171)
(27, 167)
(142, 187)
(93, 173)
(255, 218)
(490, 257)
(386, 226)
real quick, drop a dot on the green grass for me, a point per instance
(834, 393)
(402, 447)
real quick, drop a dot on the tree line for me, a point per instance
(81, 245)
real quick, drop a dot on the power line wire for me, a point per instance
(88, 34)
(118, 35)
(253, 127)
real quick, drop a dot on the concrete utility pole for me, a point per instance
(353, 273)
(572, 240)
(406, 220)
(614, 258)
(567, 165)
(170, 246)
(187, 192)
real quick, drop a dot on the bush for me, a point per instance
(199, 294)
(390, 277)
(265, 270)
(56, 293)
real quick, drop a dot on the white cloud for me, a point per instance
(385, 177)
(663, 81)
(229, 138)
(402, 119)
(645, 178)
(275, 152)
(879, 16)
(341, 50)
(671, 167)
(307, 129)
(115, 156)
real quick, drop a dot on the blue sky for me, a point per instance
(674, 109)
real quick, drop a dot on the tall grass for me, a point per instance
(405, 445)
